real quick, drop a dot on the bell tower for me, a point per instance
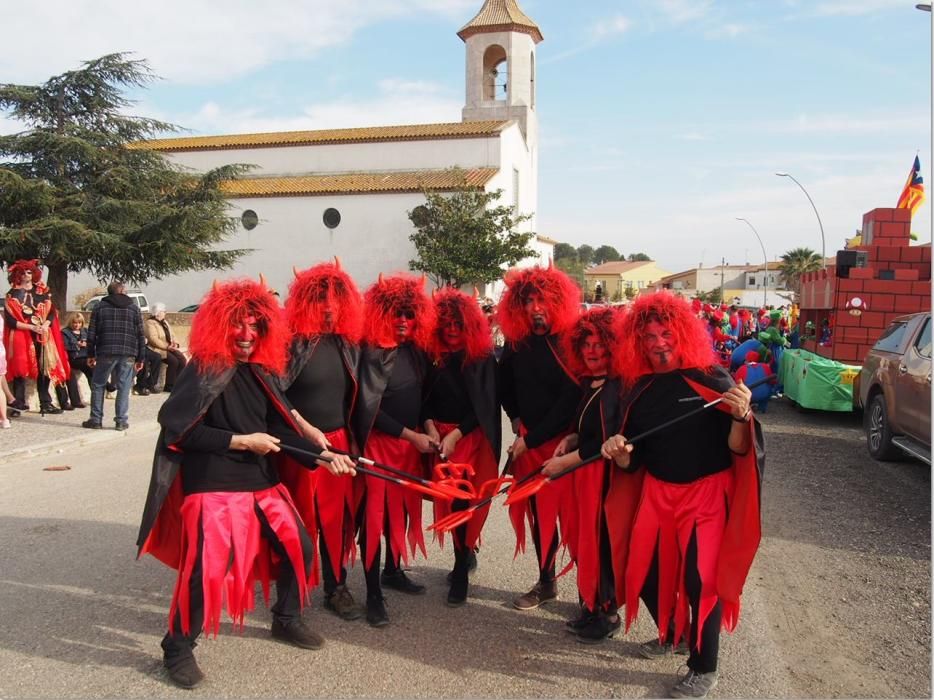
(501, 42)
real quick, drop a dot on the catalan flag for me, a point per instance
(913, 194)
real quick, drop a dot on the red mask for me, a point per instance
(660, 347)
(245, 335)
(595, 355)
(537, 314)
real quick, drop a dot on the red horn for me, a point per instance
(422, 280)
(215, 285)
(337, 263)
(262, 279)
(294, 270)
(379, 280)
(476, 293)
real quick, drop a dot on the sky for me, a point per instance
(661, 121)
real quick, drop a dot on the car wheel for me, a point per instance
(878, 431)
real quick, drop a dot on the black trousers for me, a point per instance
(175, 362)
(148, 376)
(373, 587)
(287, 607)
(42, 382)
(705, 660)
(546, 559)
(332, 579)
(78, 365)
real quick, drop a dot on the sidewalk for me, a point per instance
(33, 435)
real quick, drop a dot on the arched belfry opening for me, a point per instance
(496, 70)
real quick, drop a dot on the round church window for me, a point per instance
(249, 219)
(332, 217)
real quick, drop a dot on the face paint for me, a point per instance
(537, 314)
(452, 335)
(245, 335)
(595, 355)
(403, 324)
(660, 347)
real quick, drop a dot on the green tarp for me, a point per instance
(816, 382)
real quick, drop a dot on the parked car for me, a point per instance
(190, 309)
(894, 390)
(134, 294)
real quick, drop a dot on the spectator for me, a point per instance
(148, 376)
(115, 342)
(159, 338)
(4, 421)
(75, 337)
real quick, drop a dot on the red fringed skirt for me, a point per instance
(400, 508)
(667, 515)
(473, 449)
(583, 534)
(234, 554)
(551, 503)
(325, 499)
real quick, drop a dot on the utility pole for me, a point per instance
(722, 270)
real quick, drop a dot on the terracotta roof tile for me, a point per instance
(369, 134)
(355, 183)
(501, 16)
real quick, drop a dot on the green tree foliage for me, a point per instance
(573, 267)
(78, 192)
(639, 257)
(585, 254)
(605, 254)
(462, 238)
(795, 263)
(565, 251)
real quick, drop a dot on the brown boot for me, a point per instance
(540, 594)
(341, 603)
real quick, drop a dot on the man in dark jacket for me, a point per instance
(115, 345)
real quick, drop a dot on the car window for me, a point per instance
(892, 338)
(923, 343)
(141, 300)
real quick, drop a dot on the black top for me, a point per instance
(690, 450)
(29, 299)
(208, 465)
(322, 390)
(71, 340)
(537, 390)
(589, 423)
(448, 400)
(165, 329)
(401, 404)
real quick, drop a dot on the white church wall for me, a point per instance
(350, 157)
(373, 237)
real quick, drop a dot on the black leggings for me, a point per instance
(175, 362)
(373, 587)
(546, 565)
(288, 604)
(78, 365)
(705, 660)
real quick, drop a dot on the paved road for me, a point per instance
(838, 602)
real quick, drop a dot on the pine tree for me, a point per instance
(79, 190)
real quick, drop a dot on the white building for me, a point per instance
(346, 192)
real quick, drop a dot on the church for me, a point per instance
(346, 192)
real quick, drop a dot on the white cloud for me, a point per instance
(610, 27)
(731, 30)
(857, 7)
(191, 42)
(600, 31)
(691, 136)
(843, 123)
(679, 11)
(398, 102)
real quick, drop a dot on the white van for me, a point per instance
(136, 295)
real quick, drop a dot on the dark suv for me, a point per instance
(894, 390)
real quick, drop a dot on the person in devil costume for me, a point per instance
(324, 311)
(589, 348)
(215, 508)
(539, 394)
(397, 327)
(696, 529)
(462, 415)
(33, 339)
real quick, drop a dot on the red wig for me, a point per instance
(452, 305)
(18, 269)
(316, 287)
(388, 296)
(228, 303)
(560, 296)
(689, 331)
(600, 321)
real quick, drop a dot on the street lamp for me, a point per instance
(823, 245)
(765, 291)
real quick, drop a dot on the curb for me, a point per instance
(87, 437)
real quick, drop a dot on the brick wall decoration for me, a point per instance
(886, 238)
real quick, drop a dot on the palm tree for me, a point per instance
(795, 263)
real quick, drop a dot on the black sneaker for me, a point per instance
(92, 424)
(654, 649)
(457, 594)
(600, 627)
(398, 581)
(376, 613)
(183, 670)
(297, 633)
(575, 624)
(18, 405)
(121, 426)
(50, 409)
